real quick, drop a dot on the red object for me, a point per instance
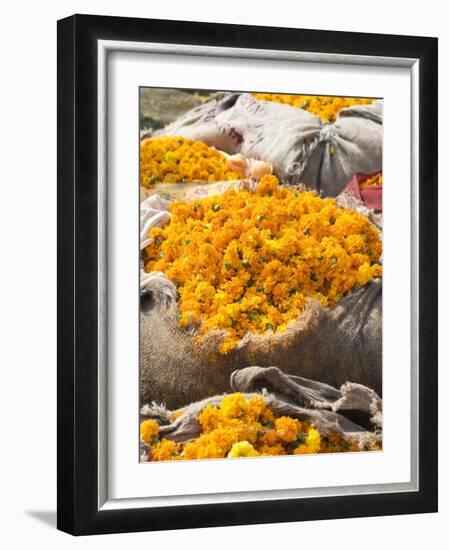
(370, 196)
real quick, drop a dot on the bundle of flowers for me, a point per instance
(169, 159)
(248, 262)
(371, 181)
(326, 107)
(241, 427)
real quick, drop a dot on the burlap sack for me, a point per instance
(299, 145)
(353, 411)
(329, 345)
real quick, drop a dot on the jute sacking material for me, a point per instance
(177, 366)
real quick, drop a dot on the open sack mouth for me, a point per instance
(249, 262)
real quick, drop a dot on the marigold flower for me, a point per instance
(242, 448)
(166, 449)
(313, 440)
(269, 437)
(255, 407)
(326, 107)
(169, 159)
(364, 274)
(377, 270)
(233, 406)
(287, 428)
(210, 418)
(149, 429)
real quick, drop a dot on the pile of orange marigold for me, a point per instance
(249, 261)
(170, 159)
(326, 107)
(242, 427)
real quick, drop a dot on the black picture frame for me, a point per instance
(77, 403)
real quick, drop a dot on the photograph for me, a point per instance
(228, 330)
(260, 274)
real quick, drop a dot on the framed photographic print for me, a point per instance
(247, 274)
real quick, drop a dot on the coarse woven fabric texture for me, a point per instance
(333, 346)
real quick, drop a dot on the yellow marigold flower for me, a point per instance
(149, 429)
(268, 184)
(255, 407)
(166, 449)
(313, 440)
(287, 428)
(269, 437)
(169, 159)
(242, 448)
(267, 416)
(210, 418)
(326, 107)
(233, 406)
(364, 274)
(377, 270)
(249, 261)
